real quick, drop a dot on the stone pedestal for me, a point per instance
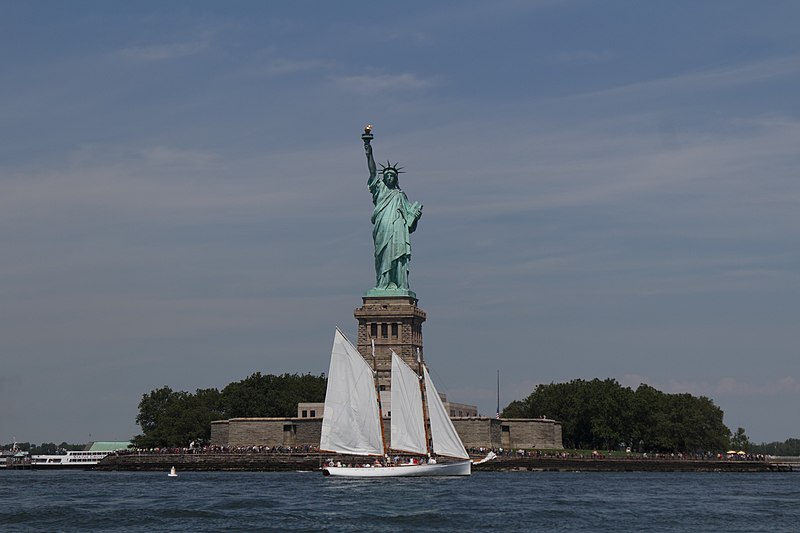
(394, 323)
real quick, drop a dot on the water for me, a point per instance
(486, 501)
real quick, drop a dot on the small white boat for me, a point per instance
(352, 419)
(172, 472)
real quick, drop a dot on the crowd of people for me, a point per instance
(474, 452)
(674, 456)
(214, 449)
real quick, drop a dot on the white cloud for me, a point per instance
(582, 56)
(281, 66)
(162, 52)
(168, 156)
(369, 83)
(708, 80)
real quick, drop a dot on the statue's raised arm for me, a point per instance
(373, 170)
(393, 219)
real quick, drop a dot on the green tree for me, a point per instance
(170, 418)
(740, 441)
(787, 447)
(516, 409)
(153, 406)
(47, 448)
(601, 414)
(271, 396)
(175, 418)
(649, 415)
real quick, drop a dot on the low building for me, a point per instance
(310, 409)
(107, 446)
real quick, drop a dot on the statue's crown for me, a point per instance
(393, 168)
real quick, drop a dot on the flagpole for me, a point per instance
(497, 415)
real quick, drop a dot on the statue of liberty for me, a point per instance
(393, 218)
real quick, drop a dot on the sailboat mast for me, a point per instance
(425, 416)
(378, 391)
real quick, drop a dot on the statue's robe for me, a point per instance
(393, 220)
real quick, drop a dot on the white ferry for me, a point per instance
(72, 459)
(12, 457)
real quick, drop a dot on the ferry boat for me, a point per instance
(76, 460)
(13, 458)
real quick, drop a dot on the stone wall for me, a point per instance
(266, 432)
(475, 432)
(531, 433)
(478, 432)
(308, 432)
(558, 439)
(219, 433)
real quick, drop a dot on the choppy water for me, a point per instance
(486, 501)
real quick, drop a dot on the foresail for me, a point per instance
(350, 421)
(445, 439)
(408, 423)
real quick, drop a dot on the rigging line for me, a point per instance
(441, 384)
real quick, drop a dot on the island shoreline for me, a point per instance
(290, 462)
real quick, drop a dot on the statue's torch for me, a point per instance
(367, 135)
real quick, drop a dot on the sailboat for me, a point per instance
(352, 419)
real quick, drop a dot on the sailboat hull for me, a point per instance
(462, 468)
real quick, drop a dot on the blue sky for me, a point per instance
(610, 190)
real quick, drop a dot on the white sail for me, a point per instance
(351, 420)
(445, 439)
(408, 423)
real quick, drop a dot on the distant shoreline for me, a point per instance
(289, 462)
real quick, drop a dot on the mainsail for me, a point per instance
(351, 420)
(445, 439)
(408, 424)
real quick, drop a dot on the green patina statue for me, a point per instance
(394, 218)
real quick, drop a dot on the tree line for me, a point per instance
(602, 414)
(45, 448)
(176, 418)
(595, 414)
(787, 447)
